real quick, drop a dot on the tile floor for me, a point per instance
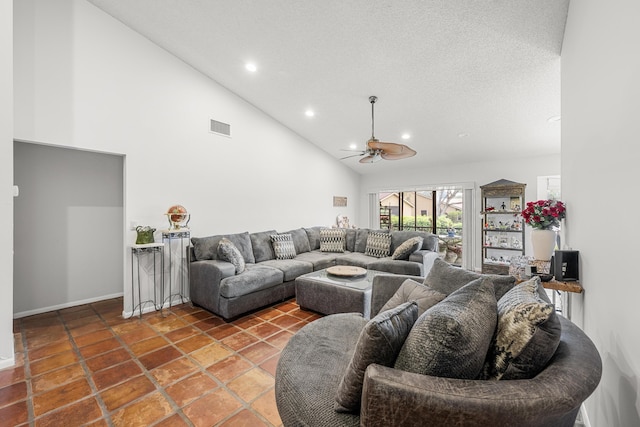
(87, 365)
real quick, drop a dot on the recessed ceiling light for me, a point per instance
(353, 145)
(406, 136)
(309, 113)
(554, 119)
(463, 135)
(251, 67)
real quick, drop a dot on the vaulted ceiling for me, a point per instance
(467, 80)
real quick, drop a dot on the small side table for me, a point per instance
(177, 243)
(563, 289)
(154, 252)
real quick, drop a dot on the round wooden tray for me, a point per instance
(346, 271)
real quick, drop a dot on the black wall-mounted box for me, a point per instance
(565, 266)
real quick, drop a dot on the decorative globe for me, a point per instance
(177, 214)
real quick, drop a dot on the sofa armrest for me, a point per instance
(384, 286)
(426, 258)
(553, 397)
(204, 281)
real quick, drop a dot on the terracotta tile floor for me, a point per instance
(87, 365)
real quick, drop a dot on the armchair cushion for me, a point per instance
(410, 290)
(452, 338)
(379, 342)
(446, 278)
(527, 335)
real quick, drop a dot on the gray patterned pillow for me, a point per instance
(527, 335)
(283, 246)
(227, 251)
(379, 342)
(407, 248)
(332, 240)
(378, 244)
(446, 278)
(451, 339)
(410, 290)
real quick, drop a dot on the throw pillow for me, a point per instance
(379, 342)
(283, 246)
(378, 244)
(446, 278)
(407, 248)
(527, 335)
(410, 290)
(332, 240)
(451, 339)
(227, 251)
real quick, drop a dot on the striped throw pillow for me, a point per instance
(378, 244)
(283, 246)
(332, 240)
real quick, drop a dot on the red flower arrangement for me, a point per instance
(544, 214)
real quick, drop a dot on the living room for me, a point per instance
(83, 80)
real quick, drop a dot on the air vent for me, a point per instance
(219, 128)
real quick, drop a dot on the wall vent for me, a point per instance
(219, 128)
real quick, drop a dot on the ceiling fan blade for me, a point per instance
(387, 147)
(403, 154)
(354, 155)
(371, 158)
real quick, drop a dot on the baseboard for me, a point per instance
(584, 417)
(8, 362)
(65, 305)
(148, 308)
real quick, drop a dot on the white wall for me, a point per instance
(84, 80)
(600, 173)
(6, 182)
(68, 221)
(518, 170)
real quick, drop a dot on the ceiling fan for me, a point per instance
(377, 150)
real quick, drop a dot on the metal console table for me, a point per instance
(177, 243)
(155, 253)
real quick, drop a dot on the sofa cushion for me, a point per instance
(378, 244)
(527, 335)
(292, 268)
(410, 290)
(361, 240)
(379, 342)
(313, 234)
(318, 259)
(408, 247)
(300, 240)
(262, 247)
(451, 339)
(207, 247)
(283, 246)
(227, 251)
(446, 278)
(350, 239)
(254, 278)
(332, 240)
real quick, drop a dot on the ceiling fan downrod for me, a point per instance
(372, 100)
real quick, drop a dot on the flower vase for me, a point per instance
(543, 242)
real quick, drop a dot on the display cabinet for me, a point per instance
(502, 225)
(385, 218)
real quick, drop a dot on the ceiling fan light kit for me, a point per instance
(377, 150)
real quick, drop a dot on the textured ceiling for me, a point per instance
(487, 69)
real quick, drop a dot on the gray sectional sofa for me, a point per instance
(215, 285)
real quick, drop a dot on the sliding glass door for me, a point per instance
(435, 211)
